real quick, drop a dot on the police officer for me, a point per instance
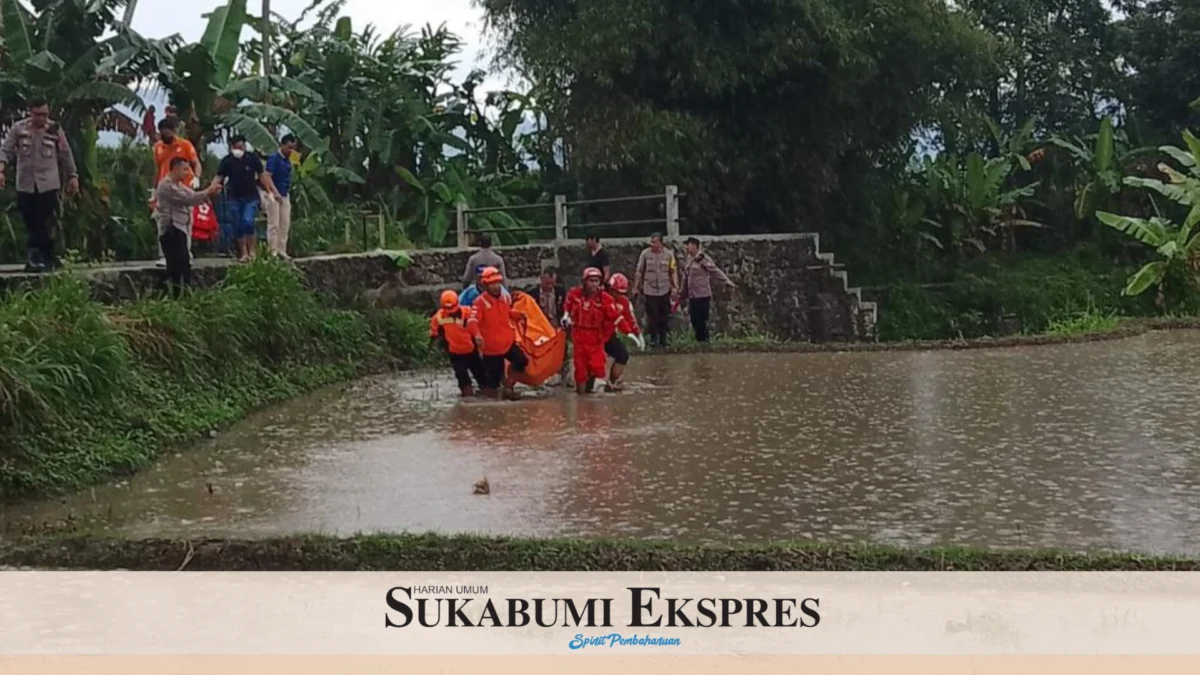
(44, 164)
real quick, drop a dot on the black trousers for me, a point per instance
(39, 211)
(467, 366)
(493, 366)
(698, 309)
(179, 262)
(658, 317)
(617, 350)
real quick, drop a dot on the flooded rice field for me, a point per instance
(1093, 446)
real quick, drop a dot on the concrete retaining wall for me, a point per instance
(788, 288)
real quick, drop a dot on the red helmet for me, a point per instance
(619, 283)
(449, 299)
(593, 272)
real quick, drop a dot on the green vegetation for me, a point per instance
(1008, 124)
(1178, 246)
(423, 552)
(88, 391)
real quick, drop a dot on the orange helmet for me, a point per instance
(592, 272)
(491, 275)
(449, 300)
(619, 283)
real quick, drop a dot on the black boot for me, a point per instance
(33, 261)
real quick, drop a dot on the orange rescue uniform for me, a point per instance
(492, 318)
(451, 325)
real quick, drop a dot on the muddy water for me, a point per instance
(1081, 447)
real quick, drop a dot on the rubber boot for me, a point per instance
(510, 394)
(591, 385)
(467, 392)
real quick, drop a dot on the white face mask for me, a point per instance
(237, 152)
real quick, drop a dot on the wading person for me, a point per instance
(598, 257)
(591, 314)
(550, 295)
(45, 165)
(698, 271)
(449, 326)
(484, 257)
(491, 328)
(241, 173)
(469, 294)
(657, 280)
(614, 346)
(175, 199)
(276, 198)
(169, 148)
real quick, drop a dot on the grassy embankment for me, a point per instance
(89, 391)
(1063, 295)
(469, 553)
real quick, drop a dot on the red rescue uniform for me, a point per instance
(629, 324)
(592, 319)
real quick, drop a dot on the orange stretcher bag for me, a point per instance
(545, 346)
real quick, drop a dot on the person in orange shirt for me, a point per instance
(168, 147)
(491, 327)
(449, 325)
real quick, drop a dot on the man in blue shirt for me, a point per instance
(278, 204)
(468, 296)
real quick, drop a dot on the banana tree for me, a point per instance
(58, 54)
(1017, 148)
(1100, 166)
(212, 102)
(1178, 246)
(969, 202)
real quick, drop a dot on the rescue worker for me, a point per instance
(45, 165)
(550, 296)
(470, 293)
(590, 313)
(491, 327)
(449, 326)
(614, 346)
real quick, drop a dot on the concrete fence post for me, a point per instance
(560, 218)
(382, 233)
(461, 221)
(672, 201)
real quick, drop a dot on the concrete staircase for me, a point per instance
(867, 312)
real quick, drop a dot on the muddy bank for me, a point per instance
(465, 553)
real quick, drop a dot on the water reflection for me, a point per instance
(1088, 446)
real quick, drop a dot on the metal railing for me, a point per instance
(670, 221)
